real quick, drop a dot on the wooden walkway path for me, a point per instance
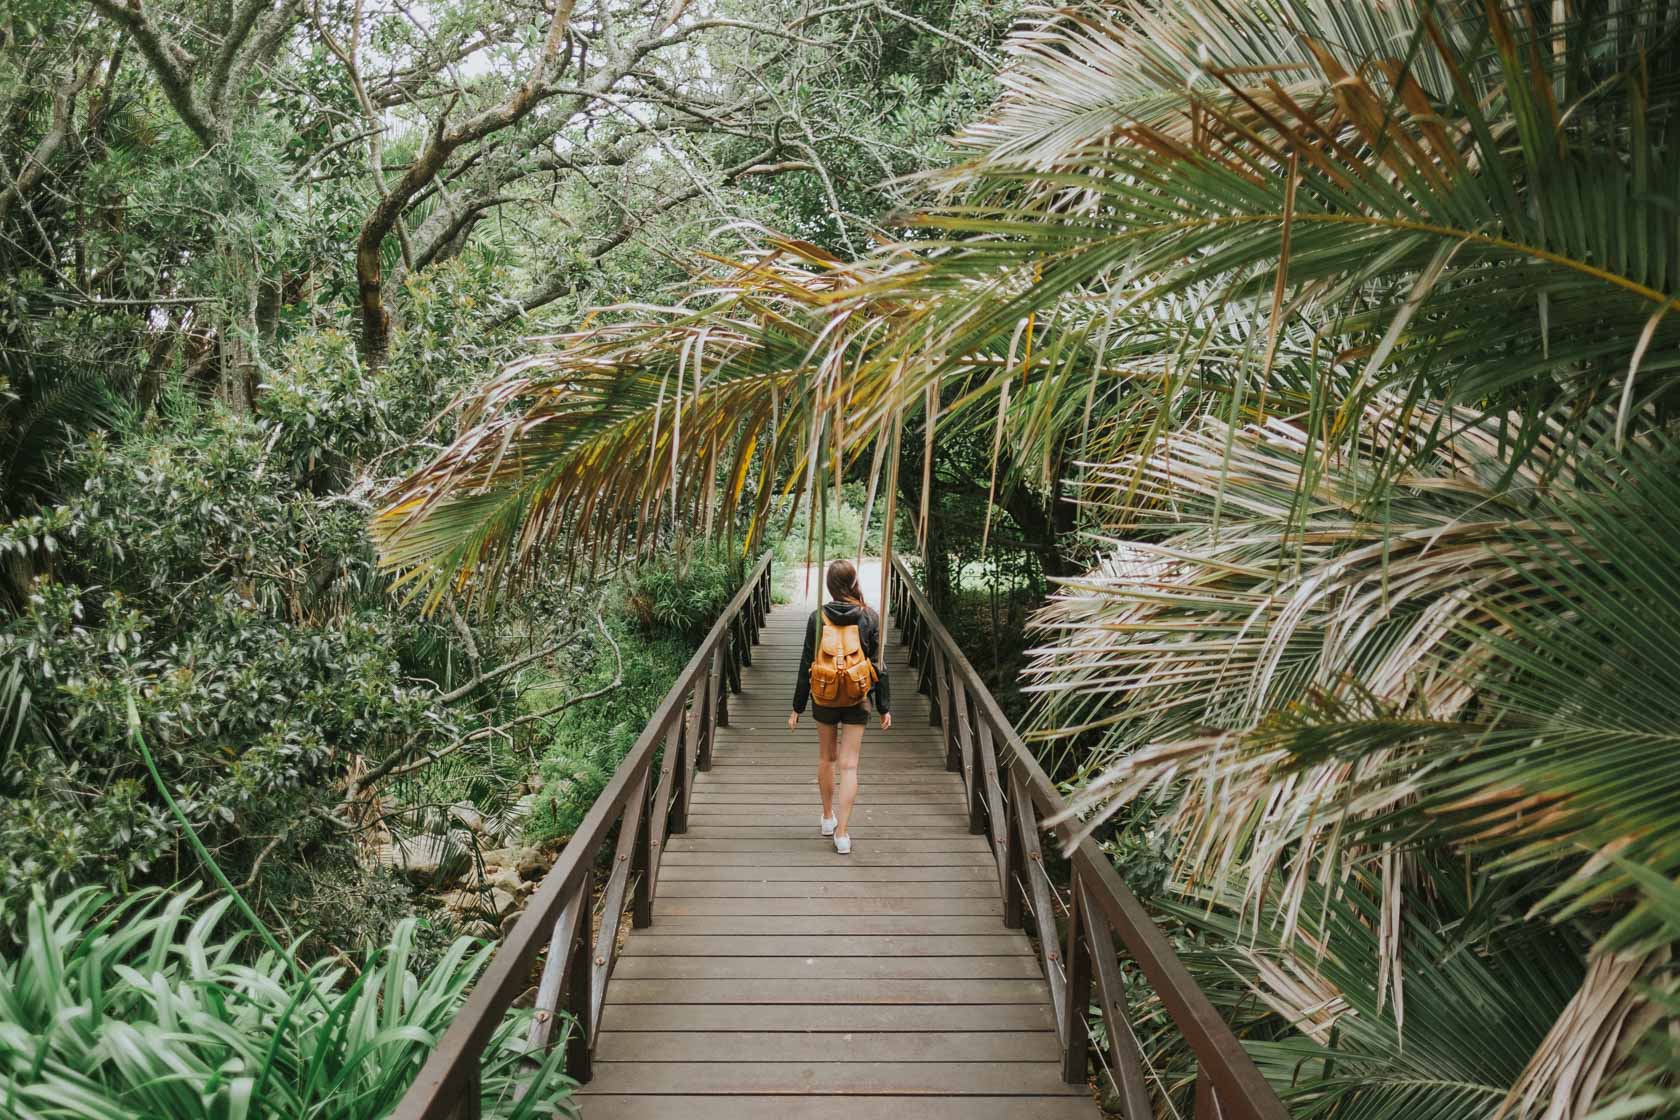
(781, 980)
(767, 978)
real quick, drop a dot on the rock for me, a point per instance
(486, 930)
(491, 903)
(463, 901)
(533, 863)
(429, 860)
(501, 857)
(522, 809)
(508, 880)
(467, 815)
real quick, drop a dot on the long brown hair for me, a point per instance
(843, 582)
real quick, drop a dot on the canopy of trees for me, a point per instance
(1309, 363)
(249, 252)
(1346, 330)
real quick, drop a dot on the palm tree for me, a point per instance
(1355, 316)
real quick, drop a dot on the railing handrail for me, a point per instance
(1241, 1090)
(448, 1081)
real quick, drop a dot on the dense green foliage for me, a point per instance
(1305, 369)
(1324, 353)
(250, 255)
(662, 609)
(146, 1005)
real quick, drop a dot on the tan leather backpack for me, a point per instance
(841, 675)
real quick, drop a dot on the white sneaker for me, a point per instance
(843, 845)
(829, 824)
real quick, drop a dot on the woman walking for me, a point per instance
(840, 728)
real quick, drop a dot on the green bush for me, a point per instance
(671, 598)
(661, 611)
(243, 619)
(142, 1008)
(844, 520)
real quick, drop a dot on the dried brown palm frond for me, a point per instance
(605, 436)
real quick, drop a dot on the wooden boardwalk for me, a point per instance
(781, 980)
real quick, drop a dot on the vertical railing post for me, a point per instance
(923, 660)
(720, 697)
(1014, 900)
(1125, 1062)
(1208, 1106)
(761, 601)
(997, 817)
(706, 698)
(679, 796)
(580, 997)
(742, 632)
(978, 781)
(641, 861)
(1076, 960)
(947, 706)
(934, 658)
(472, 1097)
(732, 656)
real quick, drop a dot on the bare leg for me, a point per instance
(851, 745)
(825, 767)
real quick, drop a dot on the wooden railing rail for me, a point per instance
(647, 806)
(1008, 796)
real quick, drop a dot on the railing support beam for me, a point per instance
(1076, 959)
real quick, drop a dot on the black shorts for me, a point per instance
(857, 714)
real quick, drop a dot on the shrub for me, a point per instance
(141, 1008)
(663, 609)
(681, 599)
(587, 742)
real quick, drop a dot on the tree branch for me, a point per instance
(169, 62)
(395, 767)
(370, 282)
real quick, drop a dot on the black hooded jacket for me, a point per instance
(869, 636)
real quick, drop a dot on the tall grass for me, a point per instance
(147, 1007)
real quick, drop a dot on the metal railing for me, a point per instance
(1008, 795)
(646, 805)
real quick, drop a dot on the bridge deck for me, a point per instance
(781, 980)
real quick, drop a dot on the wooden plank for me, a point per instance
(650, 942)
(805, 781)
(731, 797)
(825, 1017)
(829, 858)
(728, 760)
(663, 1107)
(990, 907)
(816, 843)
(802, 1046)
(850, 1078)
(801, 814)
(843, 873)
(735, 888)
(720, 775)
(830, 925)
(871, 832)
(827, 968)
(864, 815)
(766, 754)
(803, 990)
